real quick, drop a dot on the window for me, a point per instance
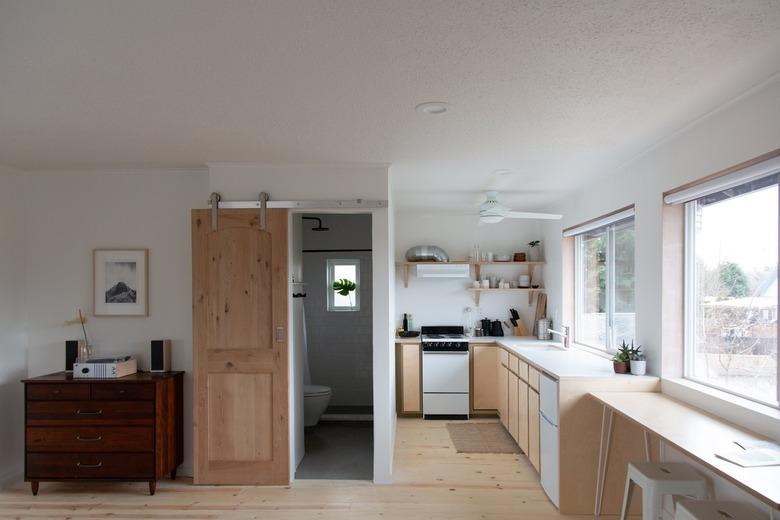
(604, 284)
(340, 270)
(731, 254)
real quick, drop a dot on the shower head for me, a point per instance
(318, 227)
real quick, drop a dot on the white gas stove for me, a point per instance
(445, 353)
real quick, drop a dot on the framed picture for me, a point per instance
(120, 282)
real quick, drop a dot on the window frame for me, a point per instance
(689, 311)
(330, 266)
(610, 346)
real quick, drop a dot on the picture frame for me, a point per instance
(120, 282)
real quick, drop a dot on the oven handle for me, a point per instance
(463, 352)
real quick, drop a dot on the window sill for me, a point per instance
(763, 419)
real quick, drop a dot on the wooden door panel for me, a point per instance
(240, 363)
(240, 400)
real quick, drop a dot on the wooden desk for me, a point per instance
(690, 430)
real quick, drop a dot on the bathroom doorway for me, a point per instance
(332, 308)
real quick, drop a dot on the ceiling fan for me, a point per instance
(491, 211)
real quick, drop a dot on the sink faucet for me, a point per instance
(564, 335)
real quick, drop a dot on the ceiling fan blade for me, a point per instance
(532, 215)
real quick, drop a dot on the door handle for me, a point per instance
(280, 336)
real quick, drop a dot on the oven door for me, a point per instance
(445, 372)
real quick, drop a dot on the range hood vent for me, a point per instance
(442, 270)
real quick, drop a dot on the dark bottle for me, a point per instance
(406, 323)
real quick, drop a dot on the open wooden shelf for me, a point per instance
(477, 267)
(477, 292)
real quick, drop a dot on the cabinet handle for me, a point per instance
(98, 465)
(55, 392)
(80, 412)
(122, 391)
(93, 439)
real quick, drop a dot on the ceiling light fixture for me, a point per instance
(433, 108)
(503, 171)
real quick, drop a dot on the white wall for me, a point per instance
(441, 302)
(67, 215)
(13, 338)
(330, 182)
(745, 128)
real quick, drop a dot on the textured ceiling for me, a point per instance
(556, 90)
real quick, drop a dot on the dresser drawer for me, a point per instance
(64, 413)
(117, 392)
(89, 465)
(90, 439)
(54, 392)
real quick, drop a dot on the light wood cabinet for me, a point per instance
(503, 392)
(533, 428)
(513, 408)
(522, 415)
(484, 359)
(533, 378)
(408, 379)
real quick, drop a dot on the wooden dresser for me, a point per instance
(103, 429)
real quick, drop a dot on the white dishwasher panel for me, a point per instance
(550, 473)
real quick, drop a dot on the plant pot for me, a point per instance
(535, 254)
(621, 367)
(638, 368)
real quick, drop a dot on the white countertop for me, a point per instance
(558, 362)
(550, 357)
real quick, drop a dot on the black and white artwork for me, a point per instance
(120, 282)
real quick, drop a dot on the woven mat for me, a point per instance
(481, 438)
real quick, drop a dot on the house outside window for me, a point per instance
(343, 270)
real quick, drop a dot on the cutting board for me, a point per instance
(541, 311)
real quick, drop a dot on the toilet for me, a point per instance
(315, 401)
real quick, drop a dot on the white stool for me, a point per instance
(715, 510)
(658, 479)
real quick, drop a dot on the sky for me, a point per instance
(742, 229)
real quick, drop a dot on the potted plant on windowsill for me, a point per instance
(638, 361)
(621, 359)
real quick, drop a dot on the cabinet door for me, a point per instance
(533, 428)
(513, 384)
(522, 415)
(484, 360)
(410, 384)
(503, 394)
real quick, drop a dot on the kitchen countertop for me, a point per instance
(550, 357)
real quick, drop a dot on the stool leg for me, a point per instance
(627, 498)
(651, 504)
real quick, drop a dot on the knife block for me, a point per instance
(520, 330)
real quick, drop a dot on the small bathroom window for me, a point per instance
(344, 297)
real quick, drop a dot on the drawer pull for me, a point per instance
(81, 412)
(55, 392)
(98, 465)
(122, 391)
(93, 439)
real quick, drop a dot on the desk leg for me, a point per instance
(647, 445)
(606, 435)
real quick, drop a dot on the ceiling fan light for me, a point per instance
(491, 219)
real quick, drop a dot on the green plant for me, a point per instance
(636, 353)
(623, 354)
(534, 243)
(344, 286)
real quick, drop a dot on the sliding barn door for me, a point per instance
(239, 319)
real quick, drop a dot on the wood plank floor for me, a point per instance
(432, 481)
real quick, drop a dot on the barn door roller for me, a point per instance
(214, 201)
